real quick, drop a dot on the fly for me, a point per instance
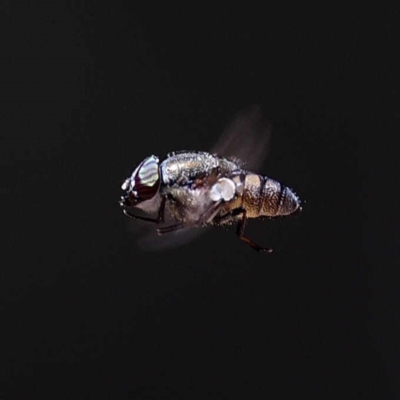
(199, 189)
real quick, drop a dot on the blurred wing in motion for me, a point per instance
(147, 239)
(247, 138)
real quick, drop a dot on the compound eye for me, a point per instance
(146, 178)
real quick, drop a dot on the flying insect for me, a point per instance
(199, 189)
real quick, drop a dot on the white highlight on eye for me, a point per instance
(224, 189)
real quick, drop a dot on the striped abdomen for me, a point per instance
(263, 196)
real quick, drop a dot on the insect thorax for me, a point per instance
(184, 168)
(193, 181)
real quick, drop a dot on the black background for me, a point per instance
(87, 91)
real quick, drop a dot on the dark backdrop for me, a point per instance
(87, 91)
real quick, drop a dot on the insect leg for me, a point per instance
(228, 216)
(172, 228)
(203, 220)
(209, 215)
(240, 233)
(160, 216)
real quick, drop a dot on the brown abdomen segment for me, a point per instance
(253, 195)
(266, 197)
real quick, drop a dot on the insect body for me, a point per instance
(202, 189)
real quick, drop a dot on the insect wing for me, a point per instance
(147, 238)
(247, 138)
